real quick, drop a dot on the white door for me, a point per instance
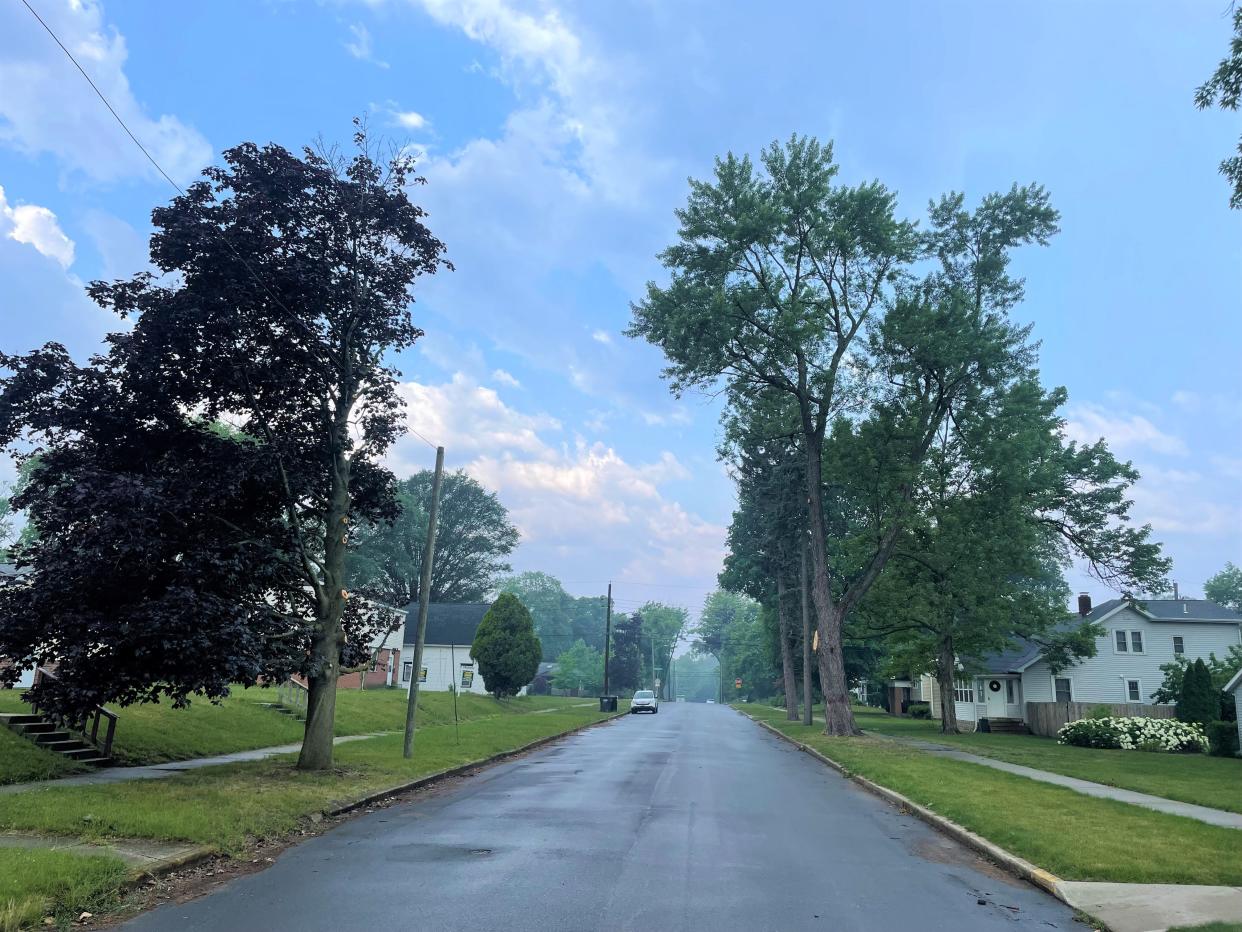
(994, 696)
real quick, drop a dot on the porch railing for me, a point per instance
(88, 726)
(293, 695)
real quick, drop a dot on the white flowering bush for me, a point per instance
(1136, 734)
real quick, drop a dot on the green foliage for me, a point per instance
(737, 630)
(1099, 712)
(506, 647)
(1225, 588)
(1135, 734)
(473, 537)
(1223, 739)
(662, 626)
(1221, 671)
(919, 710)
(625, 661)
(1224, 89)
(560, 619)
(1199, 701)
(581, 668)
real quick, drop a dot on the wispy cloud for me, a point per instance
(36, 226)
(1124, 431)
(360, 45)
(505, 378)
(602, 336)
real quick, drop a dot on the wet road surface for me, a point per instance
(694, 818)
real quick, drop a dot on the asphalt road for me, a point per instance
(694, 818)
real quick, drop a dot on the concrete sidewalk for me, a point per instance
(1086, 787)
(145, 854)
(158, 771)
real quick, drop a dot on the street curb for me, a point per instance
(1019, 867)
(463, 768)
(202, 854)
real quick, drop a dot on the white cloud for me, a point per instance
(36, 226)
(505, 378)
(1087, 423)
(602, 336)
(360, 45)
(46, 106)
(409, 119)
(573, 499)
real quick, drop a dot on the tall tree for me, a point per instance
(286, 285)
(662, 627)
(781, 280)
(506, 647)
(625, 662)
(581, 668)
(1225, 588)
(1003, 505)
(736, 630)
(473, 537)
(1224, 89)
(550, 606)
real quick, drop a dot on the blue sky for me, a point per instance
(557, 140)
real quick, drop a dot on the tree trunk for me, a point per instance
(326, 646)
(944, 677)
(807, 712)
(829, 618)
(787, 658)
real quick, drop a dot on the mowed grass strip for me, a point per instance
(1215, 782)
(1074, 836)
(229, 806)
(157, 733)
(21, 760)
(36, 883)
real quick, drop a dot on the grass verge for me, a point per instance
(21, 760)
(37, 883)
(151, 734)
(1075, 837)
(1215, 782)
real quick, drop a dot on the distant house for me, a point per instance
(446, 650)
(1139, 636)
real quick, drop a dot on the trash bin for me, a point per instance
(608, 703)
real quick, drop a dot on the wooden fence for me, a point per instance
(1045, 718)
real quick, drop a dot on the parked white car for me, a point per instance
(644, 701)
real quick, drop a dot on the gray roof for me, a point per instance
(447, 622)
(1025, 653)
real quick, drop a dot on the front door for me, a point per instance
(994, 696)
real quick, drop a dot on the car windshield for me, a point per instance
(644, 694)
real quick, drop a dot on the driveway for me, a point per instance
(694, 818)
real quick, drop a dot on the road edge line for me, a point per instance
(1019, 867)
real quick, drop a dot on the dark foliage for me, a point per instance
(506, 647)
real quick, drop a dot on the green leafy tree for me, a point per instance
(1224, 89)
(780, 280)
(625, 660)
(506, 647)
(286, 286)
(580, 668)
(662, 628)
(1220, 669)
(473, 537)
(736, 630)
(1199, 701)
(549, 604)
(1225, 588)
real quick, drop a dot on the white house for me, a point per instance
(1139, 636)
(446, 649)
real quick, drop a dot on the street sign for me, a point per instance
(737, 683)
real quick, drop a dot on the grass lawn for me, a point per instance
(149, 734)
(1074, 836)
(37, 883)
(22, 759)
(1190, 778)
(227, 807)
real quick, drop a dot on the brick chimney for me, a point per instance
(1084, 604)
(1176, 595)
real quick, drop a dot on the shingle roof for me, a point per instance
(447, 622)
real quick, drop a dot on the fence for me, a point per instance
(1045, 718)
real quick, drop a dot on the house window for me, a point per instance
(407, 669)
(1136, 641)
(1179, 645)
(1134, 691)
(964, 690)
(1120, 639)
(1064, 689)
(1009, 696)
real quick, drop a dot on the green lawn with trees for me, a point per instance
(1074, 836)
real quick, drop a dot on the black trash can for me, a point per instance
(608, 703)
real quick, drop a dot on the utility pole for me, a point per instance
(607, 637)
(424, 597)
(653, 666)
(807, 718)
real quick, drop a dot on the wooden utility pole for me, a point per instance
(806, 645)
(424, 597)
(607, 637)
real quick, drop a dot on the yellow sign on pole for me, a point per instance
(815, 640)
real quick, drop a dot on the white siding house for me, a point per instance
(1235, 686)
(1139, 636)
(447, 661)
